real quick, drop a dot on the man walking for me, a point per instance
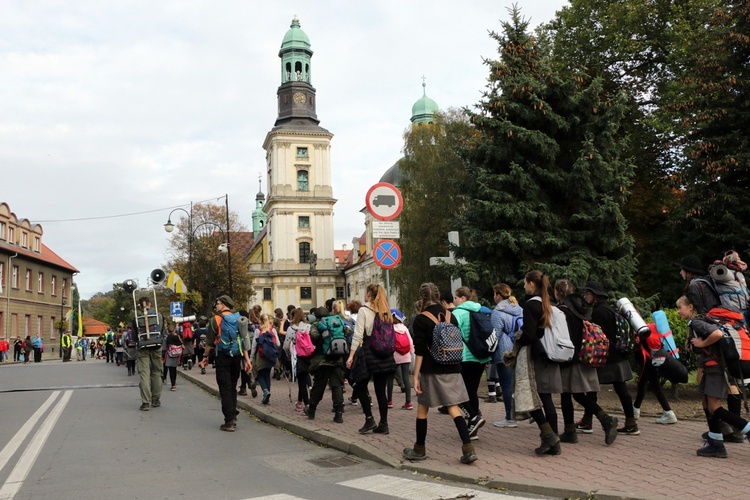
(67, 345)
(232, 345)
(109, 345)
(150, 327)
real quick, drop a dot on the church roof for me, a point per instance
(295, 38)
(393, 175)
(424, 109)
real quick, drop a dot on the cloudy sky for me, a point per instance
(113, 113)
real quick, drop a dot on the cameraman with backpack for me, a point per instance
(225, 337)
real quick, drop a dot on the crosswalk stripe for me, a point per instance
(23, 467)
(16, 441)
(409, 488)
(280, 496)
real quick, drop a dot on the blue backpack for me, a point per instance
(267, 347)
(228, 341)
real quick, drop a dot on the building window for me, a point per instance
(301, 152)
(11, 236)
(304, 252)
(16, 284)
(39, 325)
(37, 244)
(65, 288)
(40, 283)
(52, 329)
(339, 292)
(305, 292)
(304, 222)
(303, 180)
(267, 294)
(28, 280)
(27, 325)
(2, 230)
(53, 284)
(2, 274)
(24, 240)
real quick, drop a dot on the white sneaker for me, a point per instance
(505, 423)
(667, 418)
(636, 412)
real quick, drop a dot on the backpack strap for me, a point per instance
(436, 320)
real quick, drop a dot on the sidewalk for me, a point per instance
(660, 463)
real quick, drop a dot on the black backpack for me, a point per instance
(482, 335)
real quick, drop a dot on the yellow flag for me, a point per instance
(80, 321)
(175, 283)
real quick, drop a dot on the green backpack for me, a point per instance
(335, 345)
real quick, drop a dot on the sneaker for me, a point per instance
(407, 406)
(390, 404)
(352, 401)
(490, 399)
(475, 425)
(505, 423)
(266, 397)
(145, 407)
(668, 417)
(155, 403)
(414, 456)
(228, 426)
(173, 388)
(369, 426)
(629, 431)
(468, 458)
(712, 448)
(203, 371)
(253, 390)
(636, 412)
(298, 407)
(584, 427)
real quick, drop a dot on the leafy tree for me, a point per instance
(708, 112)
(209, 265)
(545, 172)
(430, 171)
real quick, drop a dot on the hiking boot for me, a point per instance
(569, 437)
(609, 424)
(414, 455)
(155, 403)
(668, 417)
(369, 426)
(309, 411)
(339, 418)
(381, 429)
(242, 392)
(490, 399)
(228, 426)
(474, 425)
(549, 441)
(145, 407)
(712, 448)
(735, 437)
(190, 364)
(253, 390)
(506, 423)
(584, 427)
(266, 397)
(469, 455)
(629, 431)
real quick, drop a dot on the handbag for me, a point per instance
(174, 351)
(358, 371)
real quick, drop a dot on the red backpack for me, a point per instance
(403, 346)
(303, 344)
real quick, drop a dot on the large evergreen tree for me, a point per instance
(545, 173)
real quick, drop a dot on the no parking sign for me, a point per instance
(387, 254)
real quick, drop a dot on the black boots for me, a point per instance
(309, 410)
(338, 417)
(550, 445)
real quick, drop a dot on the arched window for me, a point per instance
(304, 252)
(303, 181)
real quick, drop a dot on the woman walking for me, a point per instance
(296, 326)
(379, 368)
(436, 384)
(260, 361)
(505, 317)
(172, 348)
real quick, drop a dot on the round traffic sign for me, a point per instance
(386, 254)
(384, 201)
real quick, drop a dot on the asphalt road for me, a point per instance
(74, 430)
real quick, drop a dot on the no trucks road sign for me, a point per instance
(387, 254)
(384, 201)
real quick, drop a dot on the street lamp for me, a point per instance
(169, 227)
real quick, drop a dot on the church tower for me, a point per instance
(299, 230)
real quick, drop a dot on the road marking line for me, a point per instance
(280, 496)
(409, 488)
(23, 467)
(15, 443)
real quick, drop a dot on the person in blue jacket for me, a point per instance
(506, 315)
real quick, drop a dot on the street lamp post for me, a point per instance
(313, 282)
(169, 227)
(63, 303)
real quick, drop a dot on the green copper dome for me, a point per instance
(424, 109)
(295, 38)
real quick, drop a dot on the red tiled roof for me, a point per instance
(242, 243)
(94, 327)
(342, 256)
(46, 255)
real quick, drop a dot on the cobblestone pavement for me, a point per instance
(659, 463)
